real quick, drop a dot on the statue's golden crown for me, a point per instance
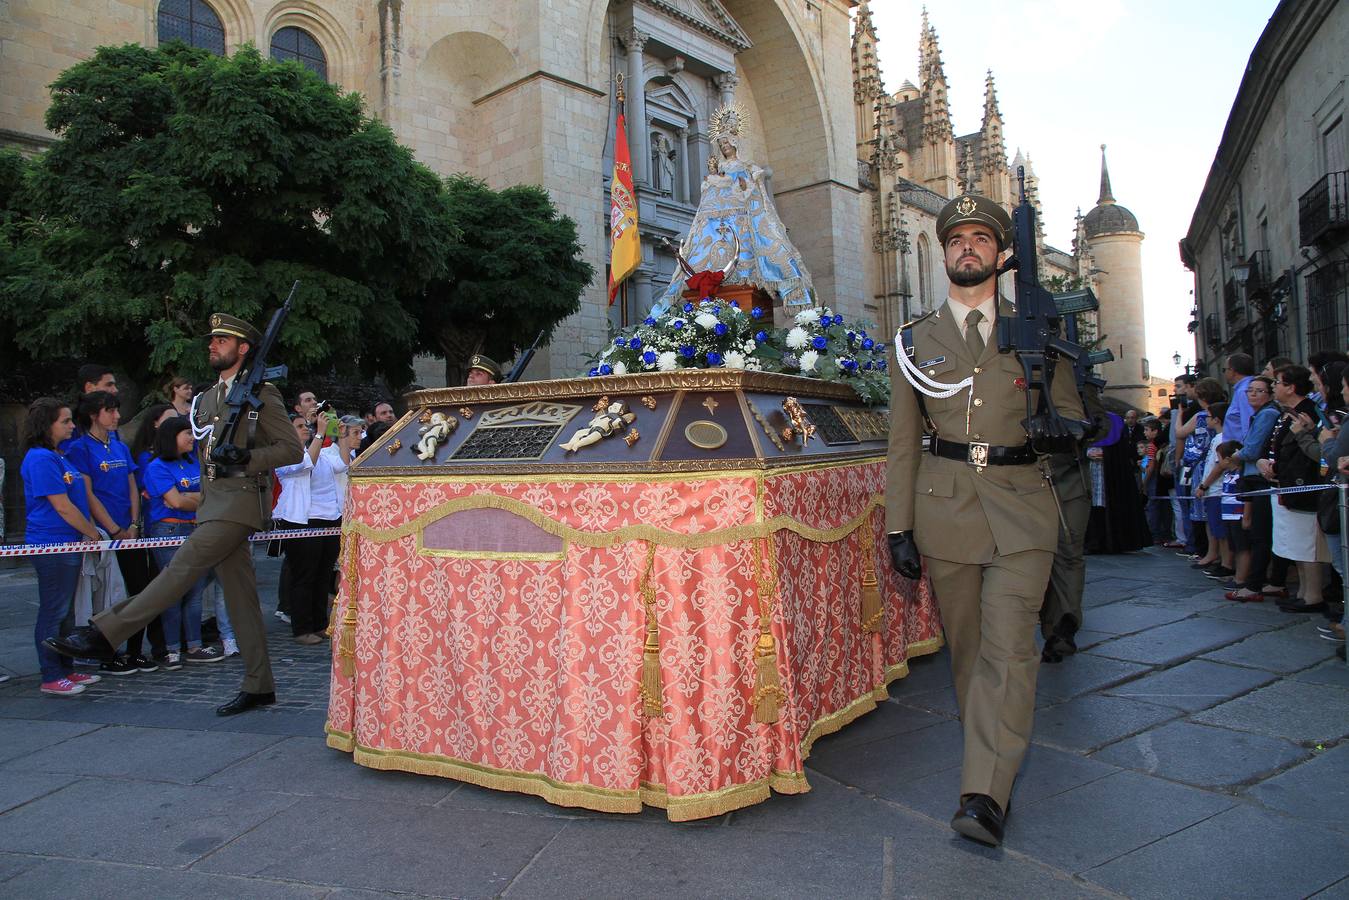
(728, 121)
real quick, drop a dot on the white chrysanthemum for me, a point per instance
(748, 346)
(808, 317)
(797, 338)
(620, 368)
(735, 359)
(753, 365)
(808, 360)
(706, 320)
(667, 361)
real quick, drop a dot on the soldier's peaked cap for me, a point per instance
(487, 365)
(972, 208)
(231, 326)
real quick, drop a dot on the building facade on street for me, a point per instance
(1269, 240)
(522, 93)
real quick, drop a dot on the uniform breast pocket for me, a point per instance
(935, 484)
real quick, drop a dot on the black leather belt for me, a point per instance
(215, 470)
(981, 454)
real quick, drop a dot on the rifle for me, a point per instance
(1032, 331)
(519, 368)
(247, 387)
(1070, 304)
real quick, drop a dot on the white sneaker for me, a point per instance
(231, 646)
(282, 616)
(172, 662)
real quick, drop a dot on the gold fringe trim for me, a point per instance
(678, 808)
(346, 642)
(652, 703)
(627, 533)
(873, 610)
(768, 693)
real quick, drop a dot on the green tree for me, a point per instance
(182, 182)
(517, 271)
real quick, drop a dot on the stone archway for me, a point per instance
(446, 126)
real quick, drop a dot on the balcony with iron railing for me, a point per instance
(1323, 209)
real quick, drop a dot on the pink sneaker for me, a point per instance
(82, 678)
(62, 687)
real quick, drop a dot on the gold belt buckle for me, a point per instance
(978, 454)
(210, 471)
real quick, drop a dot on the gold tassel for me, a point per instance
(873, 613)
(652, 704)
(768, 692)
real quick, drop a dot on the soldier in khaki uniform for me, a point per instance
(976, 505)
(236, 494)
(482, 370)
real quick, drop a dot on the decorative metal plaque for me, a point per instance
(828, 425)
(705, 434)
(867, 424)
(508, 442)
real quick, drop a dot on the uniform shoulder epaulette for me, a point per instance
(914, 321)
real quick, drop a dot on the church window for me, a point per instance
(193, 22)
(297, 44)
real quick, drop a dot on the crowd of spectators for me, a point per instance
(83, 482)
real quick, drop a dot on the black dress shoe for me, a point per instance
(1298, 606)
(980, 819)
(244, 702)
(83, 643)
(1057, 647)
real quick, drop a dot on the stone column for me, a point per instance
(682, 169)
(642, 302)
(726, 83)
(635, 41)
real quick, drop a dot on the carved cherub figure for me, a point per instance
(434, 433)
(610, 421)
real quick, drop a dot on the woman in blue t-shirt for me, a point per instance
(173, 484)
(57, 504)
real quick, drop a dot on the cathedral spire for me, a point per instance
(994, 150)
(1106, 196)
(936, 108)
(866, 73)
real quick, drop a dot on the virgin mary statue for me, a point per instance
(736, 228)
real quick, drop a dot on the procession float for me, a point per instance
(655, 585)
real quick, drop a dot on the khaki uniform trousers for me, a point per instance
(989, 612)
(1068, 577)
(218, 545)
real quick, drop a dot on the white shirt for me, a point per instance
(328, 486)
(989, 308)
(293, 504)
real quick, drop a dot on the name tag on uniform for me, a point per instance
(936, 360)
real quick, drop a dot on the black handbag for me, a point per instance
(1328, 511)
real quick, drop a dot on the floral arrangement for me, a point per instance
(717, 334)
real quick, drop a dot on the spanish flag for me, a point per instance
(625, 246)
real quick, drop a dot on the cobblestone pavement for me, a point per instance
(1195, 748)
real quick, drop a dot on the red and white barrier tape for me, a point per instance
(146, 543)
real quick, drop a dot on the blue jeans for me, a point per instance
(222, 614)
(186, 614)
(57, 577)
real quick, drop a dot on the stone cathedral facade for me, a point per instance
(522, 92)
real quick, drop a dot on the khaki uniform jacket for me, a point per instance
(956, 511)
(245, 500)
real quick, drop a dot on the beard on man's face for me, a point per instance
(965, 276)
(225, 359)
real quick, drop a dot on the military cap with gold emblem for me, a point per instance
(232, 326)
(486, 365)
(972, 208)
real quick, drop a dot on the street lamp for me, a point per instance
(1176, 359)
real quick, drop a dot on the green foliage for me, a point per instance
(517, 270)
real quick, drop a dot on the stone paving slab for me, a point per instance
(142, 822)
(1317, 790)
(926, 673)
(1285, 651)
(1127, 618)
(161, 754)
(886, 720)
(61, 879)
(1333, 672)
(12, 864)
(1092, 824)
(17, 788)
(1260, 613)
(1193, 685)
(1202, 755)
(1095, 720)
(380, 846)
(1233, 854)
(941, 701)
(1082, 674)
(1172, 643)
(1293, 710)
(880, 767)
(30, 735)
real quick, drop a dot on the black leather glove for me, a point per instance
(1053, 434)
(230, 455)
(904, 555)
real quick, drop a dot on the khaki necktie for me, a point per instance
(973, 339)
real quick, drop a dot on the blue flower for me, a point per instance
(820, 342)
(721, 328)
(849, 364)
(688, 307)
(606, 369)
(881, 364)
(594, 372)
(619, 342)
(866, 366)
(757, 312)
(649, 357)
(713, 358)
(852, 336)
(687, 352)
(677, 324)
(868, 343)
(761, 336)
(648, 321)
(635, 344)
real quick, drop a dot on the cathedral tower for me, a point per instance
(1115, 244)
